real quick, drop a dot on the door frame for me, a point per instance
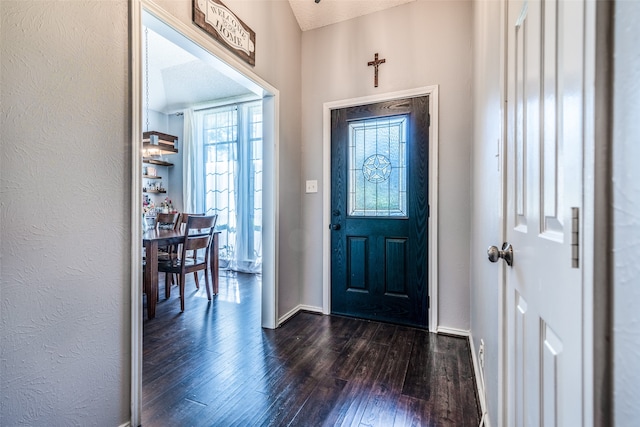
(271, 137)
(432, 227)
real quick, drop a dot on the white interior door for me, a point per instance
(545, 138)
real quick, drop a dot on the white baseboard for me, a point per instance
(452, 331)
(484, 420)
(310, 308)
(127, 424)
(295, 310)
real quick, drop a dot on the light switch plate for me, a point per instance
(312, 186)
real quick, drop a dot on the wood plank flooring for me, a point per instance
(213, 365)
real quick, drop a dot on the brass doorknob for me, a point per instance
(506, 253)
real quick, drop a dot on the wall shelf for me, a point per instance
(156, 144)
(159, 143)
(156, 162)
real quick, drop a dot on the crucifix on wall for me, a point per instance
(376, 62)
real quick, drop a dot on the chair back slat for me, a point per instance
(201, 222)
(184, 217)
(193, 243)
(167, 221)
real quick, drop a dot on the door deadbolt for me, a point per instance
(506, 253)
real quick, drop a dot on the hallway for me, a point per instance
(214, 365)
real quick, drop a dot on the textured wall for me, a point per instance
(65, 180)
(485, 190)
(626, 213)
(64, 213)
(424, 43)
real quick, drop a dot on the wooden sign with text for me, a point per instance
(223, 25)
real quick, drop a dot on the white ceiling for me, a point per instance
(178, 79)
(312, 15)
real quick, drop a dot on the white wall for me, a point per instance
(64, 213)
(424, 43)
(485, 190)
(176, 127)
(171, 175)
(626, 213)
(65, 200)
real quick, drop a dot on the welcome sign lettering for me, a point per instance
(223, 25)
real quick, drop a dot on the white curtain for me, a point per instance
(223, 174)
(248, 253)
(192, 164)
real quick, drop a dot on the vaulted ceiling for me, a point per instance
(312, 15)
(178, 79)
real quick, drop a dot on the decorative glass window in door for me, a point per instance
(377, 167)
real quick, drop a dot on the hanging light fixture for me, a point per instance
(154, 143)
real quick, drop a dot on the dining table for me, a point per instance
(154, 238)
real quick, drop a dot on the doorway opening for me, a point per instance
(211, 59)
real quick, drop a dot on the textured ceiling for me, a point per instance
(178, 79)
(312, 15)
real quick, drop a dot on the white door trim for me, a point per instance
(271, 137)
(432, 92)
(502, 303)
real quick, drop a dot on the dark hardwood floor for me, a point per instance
(213, 365)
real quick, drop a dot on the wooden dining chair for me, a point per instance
(194, 254)
(167, 221)
(182, 222)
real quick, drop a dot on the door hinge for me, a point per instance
(428, 120)
(575, 237)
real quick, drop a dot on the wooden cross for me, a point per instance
(376, 62)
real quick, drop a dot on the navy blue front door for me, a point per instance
(379, 204)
